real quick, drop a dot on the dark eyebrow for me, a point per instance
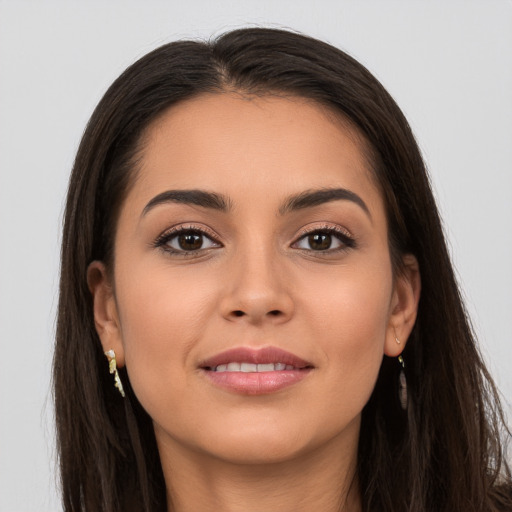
(215, 201)
(194, 196)
(311, 198)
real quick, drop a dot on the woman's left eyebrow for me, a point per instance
(310, 198)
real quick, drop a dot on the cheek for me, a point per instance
(162, 316)
(350, 319)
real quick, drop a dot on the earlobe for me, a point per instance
(106, 318)
(404, 307)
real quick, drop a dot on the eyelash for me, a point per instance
(163, 240)
(343, 236)
(347, 241)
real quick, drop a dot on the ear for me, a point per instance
(404, 306)
(106, 318)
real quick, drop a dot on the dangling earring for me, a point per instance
(402, 384)
(112, 366)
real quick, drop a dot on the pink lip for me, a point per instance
(256, 383)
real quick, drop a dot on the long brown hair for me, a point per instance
(443, 454)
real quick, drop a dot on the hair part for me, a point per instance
(444, 453)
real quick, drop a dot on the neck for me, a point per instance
(318, 480)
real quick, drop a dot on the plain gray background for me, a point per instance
(447, 63)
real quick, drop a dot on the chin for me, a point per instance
(268, 443)
(259, 450)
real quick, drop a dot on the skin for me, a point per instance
(259, 283)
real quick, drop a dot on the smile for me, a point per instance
(251, 367)
(249, 371)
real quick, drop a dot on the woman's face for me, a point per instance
(254, 236)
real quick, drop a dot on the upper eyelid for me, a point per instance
(189, 227)
(325, 227)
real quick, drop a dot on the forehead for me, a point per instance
(238, 144)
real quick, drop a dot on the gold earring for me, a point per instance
(398, 342)
(112, 367)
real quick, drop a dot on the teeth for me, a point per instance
(252, 368)
(248, 367)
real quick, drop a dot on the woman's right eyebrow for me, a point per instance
(195, 197)
(219, 202)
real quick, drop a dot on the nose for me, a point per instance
(257, 290)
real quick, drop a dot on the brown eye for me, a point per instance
(320, 241)
(190, 241)
(186, 241)
(328, 240)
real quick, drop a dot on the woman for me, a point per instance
(248, 232)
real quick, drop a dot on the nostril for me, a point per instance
(239, 313)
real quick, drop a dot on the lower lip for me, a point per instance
(256, 383)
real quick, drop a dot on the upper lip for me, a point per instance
(264, 355)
